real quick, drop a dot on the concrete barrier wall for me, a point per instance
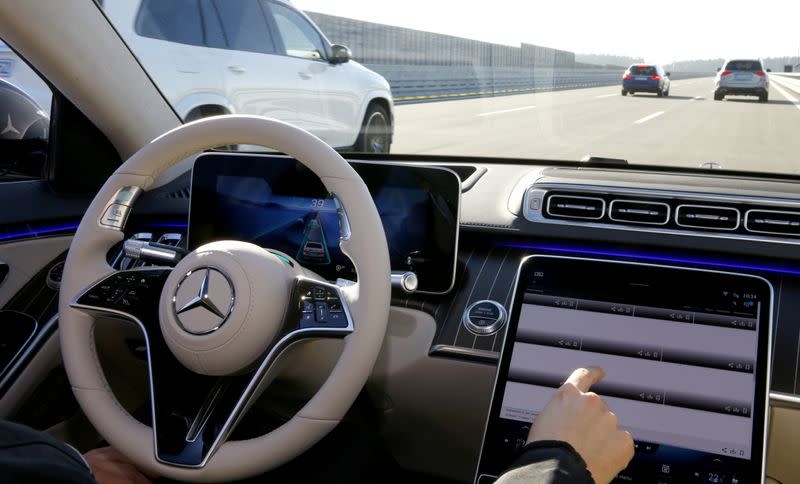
(411, 84)
(374, 43)
(425, 66)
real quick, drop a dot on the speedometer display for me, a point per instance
(277, 203)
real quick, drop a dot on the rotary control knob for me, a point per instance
(54, 275)
(484, 317)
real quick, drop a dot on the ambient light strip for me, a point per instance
(35, 232)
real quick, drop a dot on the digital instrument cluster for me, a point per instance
(277, 203)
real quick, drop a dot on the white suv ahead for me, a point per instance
(742, 77)
(263, 57)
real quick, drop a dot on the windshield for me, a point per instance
(505, 79)
(743, 65)
(642, 70)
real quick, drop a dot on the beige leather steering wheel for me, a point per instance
(215, 323)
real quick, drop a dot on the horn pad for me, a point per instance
(223, 305)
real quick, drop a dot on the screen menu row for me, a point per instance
(688, 383)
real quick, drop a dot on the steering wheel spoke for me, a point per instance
(195, 414)
(192, 414)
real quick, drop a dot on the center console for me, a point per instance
(686, 354)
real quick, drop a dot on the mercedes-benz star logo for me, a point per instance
(213, 300)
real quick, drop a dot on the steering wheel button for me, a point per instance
(321, 312)
(306, 305)
(307, 318)
(337, 318)
(334, 305)
(115, 295)
(132, 296)
(320, 294)
(115, 216)
(127, 195)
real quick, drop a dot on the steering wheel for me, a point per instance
(215, 324)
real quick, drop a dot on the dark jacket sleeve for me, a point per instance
(30, 456)
(547, 462)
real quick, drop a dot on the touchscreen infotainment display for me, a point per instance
(277, 203)
(686, 355)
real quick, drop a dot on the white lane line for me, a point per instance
(607, 95)
(648, 118)
(788, 96)
(695, 98)
(492, 113)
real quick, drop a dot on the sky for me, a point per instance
(660, 32)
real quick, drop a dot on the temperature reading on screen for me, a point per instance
(317, 202)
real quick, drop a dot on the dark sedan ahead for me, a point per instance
(645, 78)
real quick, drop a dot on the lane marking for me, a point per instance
(648, 118)
(607, 95)
(695, 98)
(788, 96)
(492, 113)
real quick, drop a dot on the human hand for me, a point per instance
(582, 419)
(109, 466)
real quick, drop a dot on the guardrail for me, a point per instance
(415, 84)
(789, 80)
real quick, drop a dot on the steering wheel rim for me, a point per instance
(368, 300)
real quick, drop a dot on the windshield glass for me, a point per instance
(743, 65)
(642, 70)
(510, 79)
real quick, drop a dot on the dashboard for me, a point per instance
(507, 212)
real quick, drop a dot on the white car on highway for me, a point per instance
(257, 57)
(742, 77)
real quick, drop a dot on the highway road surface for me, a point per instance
(685, 129)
